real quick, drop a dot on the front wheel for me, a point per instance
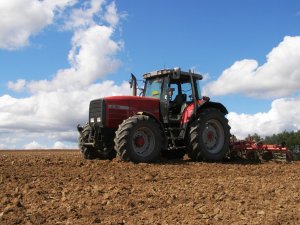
(139, 139)
(209, 136)
(105, 151)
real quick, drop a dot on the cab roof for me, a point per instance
(175, 73)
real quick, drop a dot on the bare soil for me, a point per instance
(60, 187)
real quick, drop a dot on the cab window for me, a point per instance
(187, 89)
(153, 88)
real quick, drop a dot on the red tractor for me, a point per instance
(169, 118)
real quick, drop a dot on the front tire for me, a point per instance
(106, 151)
(209, 136)
(139, 139)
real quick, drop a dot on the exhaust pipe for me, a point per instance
(133, 84)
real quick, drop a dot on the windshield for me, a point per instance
(153, 87)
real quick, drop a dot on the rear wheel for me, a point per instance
(209, 136)
(139, 139)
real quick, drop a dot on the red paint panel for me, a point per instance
(188, 111)
(116, 110)
(119, 108)
(149, 105)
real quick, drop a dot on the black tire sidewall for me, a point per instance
(205, 116)
(144, 121)
(94, 153)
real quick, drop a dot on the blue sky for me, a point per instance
(45, 54)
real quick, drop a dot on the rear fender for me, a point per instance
(188, 114)
(215, 105)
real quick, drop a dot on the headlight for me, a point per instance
(92, 120)
(98, 119)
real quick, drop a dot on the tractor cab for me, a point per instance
(175, 89)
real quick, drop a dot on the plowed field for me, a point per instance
(60, 187)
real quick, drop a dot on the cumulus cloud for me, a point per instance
(33, 145)
(56, 106)
(111, 16)
(83, 16)
(92, 57)
(61, 145)
(55, 110)
(20, 19)
(57, 145)
(17, 86)
(278, 77)
(283, 115)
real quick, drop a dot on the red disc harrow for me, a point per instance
(258, 151)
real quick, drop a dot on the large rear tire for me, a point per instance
(139, 139)
(209, 136)
(104, 152)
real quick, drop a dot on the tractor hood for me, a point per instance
(119, 108)
(131, 98)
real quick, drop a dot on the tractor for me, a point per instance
(169, 118)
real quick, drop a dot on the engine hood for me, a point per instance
(119, 108)
(131, 98)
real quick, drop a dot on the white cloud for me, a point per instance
(53, 113)
(283, 115)
(20, 19)
(84, 16)
(54, 108)
(92, 57)
(8, 141)
(62, 145)
(34, 145)
(111, 15)
(278, 77)
(17, 86)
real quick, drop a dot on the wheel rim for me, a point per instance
(143, 141)
(213, 136)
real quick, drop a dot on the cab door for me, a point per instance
(164, 100)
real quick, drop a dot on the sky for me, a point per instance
(57, 55)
